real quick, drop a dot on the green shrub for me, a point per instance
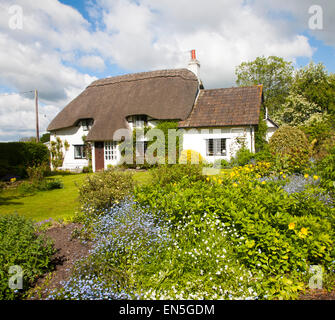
(86, 170)
(264, 155)
(242, 157)
(260, 134)
(166, 174)
(105, 189)
(16, 156)
(51, 184)
(272, 231)
(26, 188)
(20, 246)
(290, 147)
(221, 163)
(38, 173)
(326, 168)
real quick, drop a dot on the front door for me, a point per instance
(99, 156)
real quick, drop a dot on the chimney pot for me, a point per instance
(194, 64)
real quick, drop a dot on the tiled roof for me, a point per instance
(226, 107)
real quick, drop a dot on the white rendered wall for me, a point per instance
(74, 136)
(271, 130)
(195, 139)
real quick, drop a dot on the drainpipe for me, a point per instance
(252, 139)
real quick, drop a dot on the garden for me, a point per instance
(254, 231)
(261, 228)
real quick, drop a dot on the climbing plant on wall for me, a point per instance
(56, 152)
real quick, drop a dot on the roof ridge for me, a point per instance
(130, 77)
(243, 87)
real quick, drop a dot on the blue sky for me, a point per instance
(64, 45)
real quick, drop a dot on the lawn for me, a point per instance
(55, 204)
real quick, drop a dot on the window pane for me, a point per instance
(216, 147)
(110, 150)
(79, 152)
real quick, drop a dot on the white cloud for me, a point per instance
(17, 116)
(92, 62)
(137, 35)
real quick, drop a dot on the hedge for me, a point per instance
(15, 157)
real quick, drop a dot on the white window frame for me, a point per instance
(219, 147)
(141, 148)
(82, 152)
(110, 150)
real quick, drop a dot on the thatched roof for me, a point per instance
(226, 107)
(166, 94)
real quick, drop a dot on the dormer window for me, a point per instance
(86, 124)
(139, 121)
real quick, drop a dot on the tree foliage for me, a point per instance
(274, 73)
(316, 85)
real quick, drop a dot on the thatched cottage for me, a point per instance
(212, 119)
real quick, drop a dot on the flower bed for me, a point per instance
(248, 233)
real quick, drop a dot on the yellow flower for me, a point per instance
(214, 178)
(235, 185)
(291, 226)
(219, 181)
(207, 179)
(281, 172)
(304, 231)
(315, 177)
(284, 176)
(263, 182)
(306, 176)
(13, 180)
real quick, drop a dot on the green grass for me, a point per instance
(55, 204)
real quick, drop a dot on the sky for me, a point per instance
(60, 46)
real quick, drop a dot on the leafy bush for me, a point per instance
(264, 155)
(17, 156)
(31, 187)
(19, 245)
(242, 157)
(260, 134)
(326, 168)
(105, 189)
(38, 173)
(86, 170)
(276, 231)
(290, 147)
(166, 174)
(221, 163)
(51, 184)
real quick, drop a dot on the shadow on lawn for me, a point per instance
(7, 201)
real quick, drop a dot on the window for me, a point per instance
(110, 150)
(140, 121)
(216, 147)
(141, 147)
(79, 152)
(86, 124)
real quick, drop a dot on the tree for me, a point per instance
(28, 139)
(297, 110)
(45, 138)
(274, 73)
(260, 135)
(316, 85)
